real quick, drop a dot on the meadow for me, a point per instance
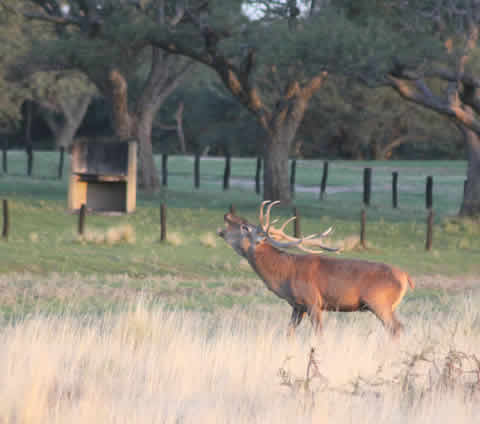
(118, 327)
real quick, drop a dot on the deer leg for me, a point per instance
(315, 314)
(295, 320)
(388, 319)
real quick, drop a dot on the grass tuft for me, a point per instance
(175, 239)
(110, 236)
(208, 240)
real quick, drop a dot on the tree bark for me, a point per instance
(471, 200)
(276, 183)
(282, 128)
(165, 75)
(148, 176)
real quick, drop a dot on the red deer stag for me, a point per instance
(312, 283)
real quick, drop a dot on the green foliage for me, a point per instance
(23, 51)
(212, 119)
(15, 40)
(350, 120)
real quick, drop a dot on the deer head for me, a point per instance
(243, 236)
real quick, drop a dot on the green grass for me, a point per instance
(43, 236)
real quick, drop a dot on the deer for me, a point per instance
(313, 282)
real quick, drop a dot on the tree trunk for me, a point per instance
(282, 129)
(28, 137)
(471, 200)
(147, 177)
(276, 182)
(128, 125)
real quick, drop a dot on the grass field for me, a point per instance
(148, 365)
(118, 327)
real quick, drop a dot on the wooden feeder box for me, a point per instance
(103, 177)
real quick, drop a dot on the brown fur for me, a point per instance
(312, 283)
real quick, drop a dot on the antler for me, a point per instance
(278, 233)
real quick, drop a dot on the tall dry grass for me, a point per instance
(150, 365)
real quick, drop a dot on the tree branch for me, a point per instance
(464, 115)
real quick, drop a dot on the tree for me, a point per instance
(15, 40)
(274, 64)
(102, 39)
(279, 114)
(456, 24)
(352, 121)
(61, 97)
(63, 100)
(204, 37)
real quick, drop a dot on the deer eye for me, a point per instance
(245, 228)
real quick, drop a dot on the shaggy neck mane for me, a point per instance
(272, 265)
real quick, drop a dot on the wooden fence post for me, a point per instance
(367, 185)
(323, 184)
(29, 150)
(226, 172)
(296, 226)
(164, 170)
(257, 175)
(197, 170)
(81, 219)
(394, 190)
(429, 193)
(4, 157)
(428, 243)
(6, 220)
(60, 163)
(363, 224)
(163, 222)
(293, 174)
(28, 137)
(233, 211)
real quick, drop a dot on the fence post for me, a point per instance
(29, 160)
(428, 243)
(429, 193)
(60, 163)
(233, 211)
(28, 138)
(323, 184)
(81, 219)
(257, 175)
(293, 174)
(363, 224)
(6, 220)
(367, 185)
(4, 157)
(164, 170)
(395, 189)
(163, 222)
(197, 170)
(226, 172)
(296, 228)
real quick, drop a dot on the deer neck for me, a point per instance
(272, 265)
